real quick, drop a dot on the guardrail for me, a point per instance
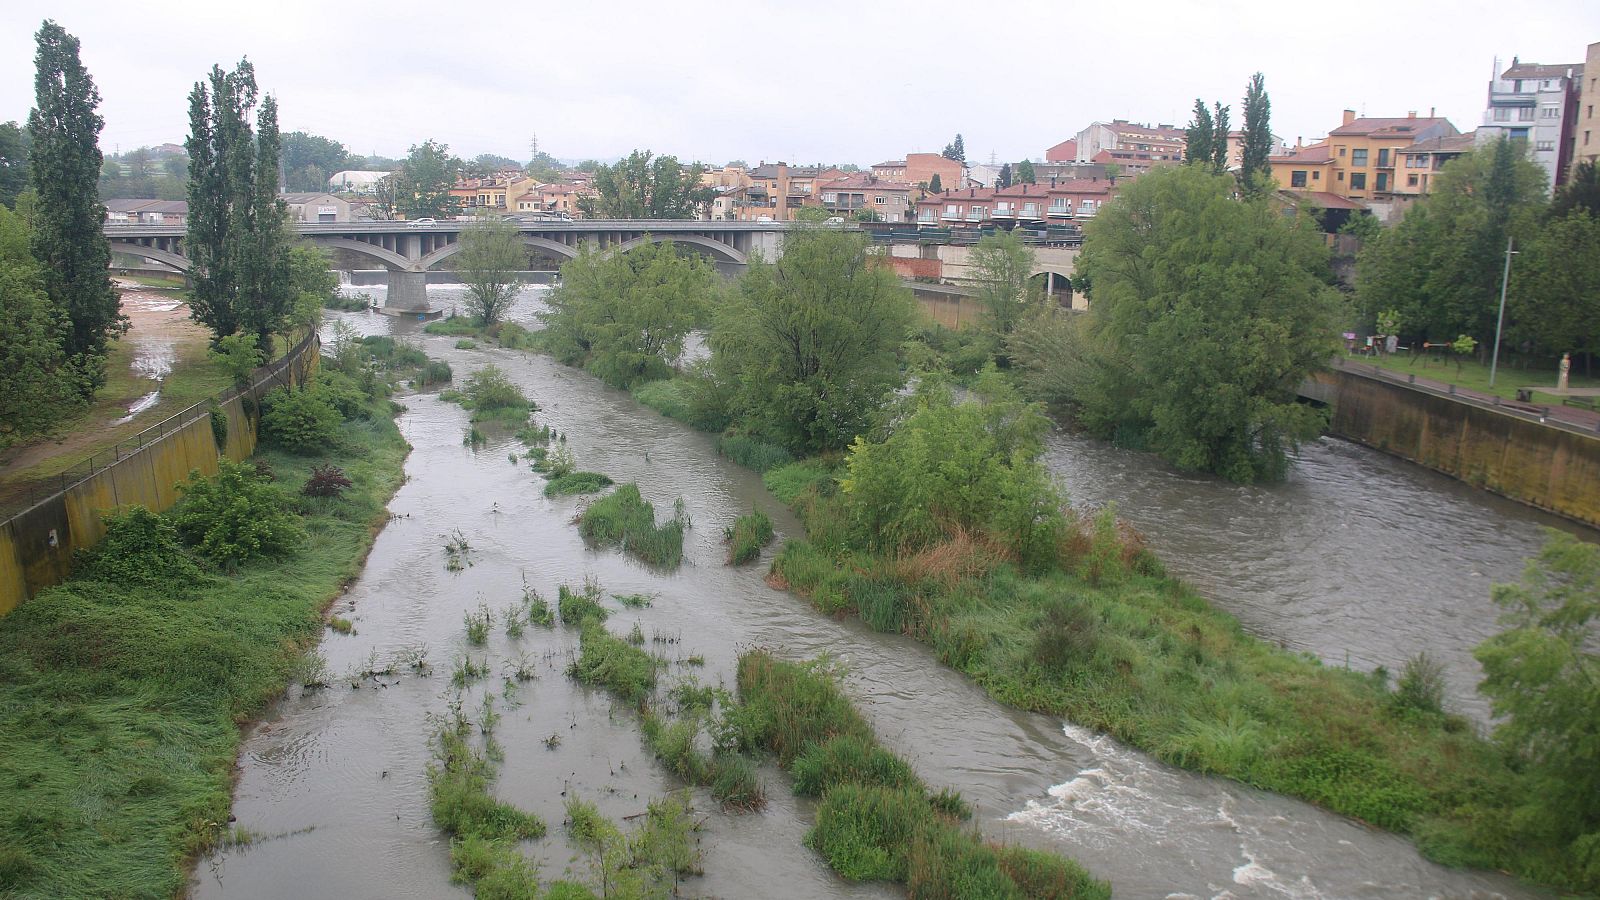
(1542, 414)
(47, 489)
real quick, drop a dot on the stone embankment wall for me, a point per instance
(36, 545)
(1498, 449)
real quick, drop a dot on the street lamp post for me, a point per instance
(1494, 357)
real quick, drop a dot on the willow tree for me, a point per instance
(237, 245)
(68, 241)
(491, 256)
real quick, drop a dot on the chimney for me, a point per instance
(1433, 112)
(1349, 116)
(1411, 114)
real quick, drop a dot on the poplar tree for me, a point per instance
(74, 258)
(236, 242)
(1257, 135)
(1004, 181)
(1198, 136)
(1219, 138)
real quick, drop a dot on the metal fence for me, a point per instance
(274, 374)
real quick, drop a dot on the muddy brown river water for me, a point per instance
(333, 782)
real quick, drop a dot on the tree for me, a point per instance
(309, 159)
(1254, 171)
(1219, 138)
(956, 150)
(1198, 136)
(1002, 268)
(1441, 265)
(1542, 678)
(1554, 304)
(807, 345)
(1004, 180)
(1581, 192)
(74, 259)
(624, 316)
(491, 256)
(13, 163)
(311, 281)
(645, 186)
(490, 163)
(237, 245)
(384, 203)
(1199, 337)
(422, 186)
(935, 186)
(36, 382)
(1025, 173)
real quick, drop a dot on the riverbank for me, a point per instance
(122, 703)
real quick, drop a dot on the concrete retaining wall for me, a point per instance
(36, 545)
(1551, 468)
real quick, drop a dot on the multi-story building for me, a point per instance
(919, 169)
(1537, 104)
(1066, 151)
(848, 195)
(492, 193)
(1366, 151)
(1308, 168)
(1420, 163)
(1019, 204)
(1586, 128)
(1149, 142)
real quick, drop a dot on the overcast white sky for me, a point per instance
(822, 80)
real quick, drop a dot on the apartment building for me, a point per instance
(919, 169)
(1537, 104)
(1134, 141)
(1585, 127)
(1019, 204)
(1420, 163)
(848, 195)
(1366, 150)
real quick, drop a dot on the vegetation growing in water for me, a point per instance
(625, 519)
(576, 483)
(746, 536)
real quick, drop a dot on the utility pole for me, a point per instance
(1505, 277)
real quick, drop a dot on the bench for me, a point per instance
(1579, 402)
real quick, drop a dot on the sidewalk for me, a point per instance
(1569, 418)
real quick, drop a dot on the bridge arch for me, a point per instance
(389, 257)
(723, 251)
(530, 240)
(181, 263)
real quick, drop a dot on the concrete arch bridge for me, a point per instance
(408, 250)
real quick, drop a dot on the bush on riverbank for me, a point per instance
(876, 820)
(746, 536)
(120, 698)
(625, 519)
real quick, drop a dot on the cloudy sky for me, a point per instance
(816, 81)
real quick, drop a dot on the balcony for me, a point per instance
(1004, 212)
(1063, 212)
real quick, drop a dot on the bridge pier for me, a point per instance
(408, 293)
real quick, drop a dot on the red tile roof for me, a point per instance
(1394, 127)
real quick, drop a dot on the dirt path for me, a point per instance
(158, 368)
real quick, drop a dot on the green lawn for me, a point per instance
(1475, 376)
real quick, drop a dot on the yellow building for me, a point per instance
(1366, 152)
(1308, 169)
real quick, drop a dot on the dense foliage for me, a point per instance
(421, 189)
(1206, 314)
(1002, 270)
(490, 259)
(624, 316)
(67, 240)
(302, 421)
(806, 347)
(236, 240)
(37, 382)
(645, 186)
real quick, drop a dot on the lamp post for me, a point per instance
(1494, 358)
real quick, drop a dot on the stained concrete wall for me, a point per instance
(36, 546)
(1551, 468)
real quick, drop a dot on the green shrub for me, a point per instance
(1421, 686)
(512, 336)
(578, 607)
(736, 784)
(219, 427)
(627, 520)
(753, 453)
(866, 832)
(466, 344)
(300, 421)
(788, 483)
(139, 548)
(849, 759)
(748, 534)
(235, 517)
(611, 662)
(576, 483)
(437, 371)
(490, 389)
(454, 326)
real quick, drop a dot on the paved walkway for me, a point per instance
(1569, 418)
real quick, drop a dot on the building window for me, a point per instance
(1297, 179)
(1341, 151)
(1316, 174)
(1383, 181)
(1358, 181)
(1525, 114)
(878, 200)
(1550, 112)
(1545, 145)
(1383, 157)
(1341, 176)
(1502, 114)
(1358, 156)
(1411, 181)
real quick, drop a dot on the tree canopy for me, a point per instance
(1199, 337)
(37, 384)
(1002, 266)
(645, 186)
(13, 163)
(309, 160)
(807, 345)
(1254, 173)
(956, 150)
(64, 132)
(489, 261)
(422, 186)
(1025, 173)
(624, 316)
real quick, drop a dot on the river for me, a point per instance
(332, 783)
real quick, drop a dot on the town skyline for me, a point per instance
(379, 85)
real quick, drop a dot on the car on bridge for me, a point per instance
(423, 222)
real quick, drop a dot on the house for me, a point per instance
(1585, 127)
(147, 212)
(849, 194)
(776, 188)
(1421, 162)
(919, 169)
(1366, 150)
(316, 207)
(1537, 104)
(1162, 143)
(1304, 168)
(560, 198)
(1066, 151)
(1056, 202)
